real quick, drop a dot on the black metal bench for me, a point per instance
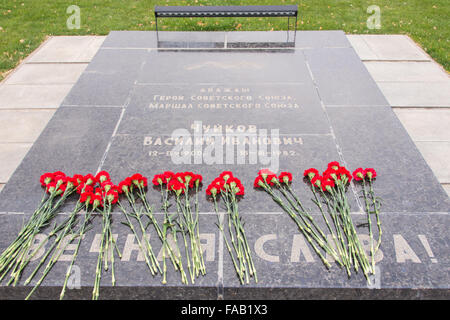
(226, 11)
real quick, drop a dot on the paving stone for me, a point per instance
(425, 124)
(11, 156)
(406, 71)
(46, 74)
(447, 188)
(362, 49)
(416, 94)
(67, 49)
(23, 125)
(437, 154)
(395, 47)
(32, 96)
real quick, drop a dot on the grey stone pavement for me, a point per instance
(417, 88)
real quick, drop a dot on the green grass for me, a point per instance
(24, 24)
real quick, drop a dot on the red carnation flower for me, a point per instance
(265, 173)
(112, 196)
(168, 175)
(239, 189)
(102, 176)
(176, 186)
(179, 176)
(124, 186)
(370, 173)
(59, 173)
(359, 174)
(188, 176)
(311, 173)
(59, 179)
(99, 191)
(51, 187)
(46, 178)
(84, 188)
(139, 180)
(197, 179)
(259, 182)
(96, 200)
(232, 183)
(159, 180)
(218, 183)
(61, 189)
(285, 177)
(268, 176)
(90, 179)
(327, 184)
(79, 178)
(334, 165)
(225, 175)
(76, 180)
(86, 197)
(343, 172)
(316, 181)
(108, 185)
(213, 189)
(332, 173)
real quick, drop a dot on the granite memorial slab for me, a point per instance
(212, 101)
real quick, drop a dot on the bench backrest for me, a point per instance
(226, 11)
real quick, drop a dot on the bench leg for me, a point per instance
(288, 30)
(156, 24)
(295, 32)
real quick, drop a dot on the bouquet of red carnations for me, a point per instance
(329, 190)
(229, 189)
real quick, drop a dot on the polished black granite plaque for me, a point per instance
(305, 103)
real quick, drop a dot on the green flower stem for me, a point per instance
(202, 261)
(245, 246)
(164, 280)
(81, 233)
(338, 227)
(66, 226)
(360, 253)
(137, 215)
(53, 260)
(221, 227)
(240, 240)
(26, 257)
(149, 213)
(98, 271)
(41, 221)
(335, 240)
(144, 252)
(29, 257)
(169, 224)
(377, 214)
(301, 226)
(366, 200)
(322, 239)
(230, 230)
